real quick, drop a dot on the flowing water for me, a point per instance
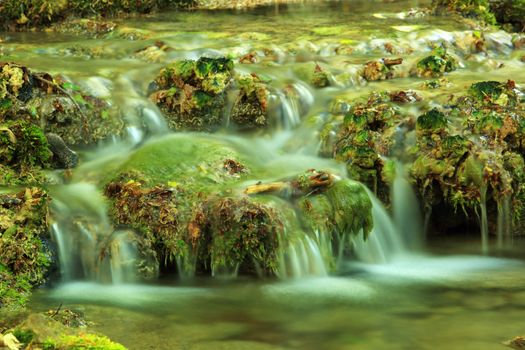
(395, 294)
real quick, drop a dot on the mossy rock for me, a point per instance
(56, 105)
(24, 14)
(476, 9)
(195, 214)
(365, 137)
(313, 74)
(192, 94)
(433, 121)
(509, 13)
(436, 64)
(250, 110)
(494, 92)
(188, 209)
(44, 332)
(24, 259)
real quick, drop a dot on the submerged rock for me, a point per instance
(313, 74)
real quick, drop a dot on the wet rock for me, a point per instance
(63, 156)
(380, 70)
(155, 53)
(466, 154)
(364, 138)
(313, 74)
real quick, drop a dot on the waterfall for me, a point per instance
(406, 211)
(88, 246)
(290, 104)
(302, 257)
(504, 220)
(384, 242)
(396, 235)
(484, 220)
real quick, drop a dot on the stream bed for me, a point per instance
(443, 295)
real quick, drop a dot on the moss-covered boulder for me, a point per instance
(508, 13)
(476, 9)
(24, 259)
(435, 65)
(455, 168)
(250, 109)
(45, 331)
(197, 214)
(24, 14)
(56, 105)
(365, 137)
(460, 157)
(192, 94)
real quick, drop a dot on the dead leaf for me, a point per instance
(10, 341)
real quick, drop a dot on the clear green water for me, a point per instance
(444, 302)
(447, 302)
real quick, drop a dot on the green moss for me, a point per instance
(56, 105)
(243, 232)
(199, 162)
(432, 121)
(502, 94)
(23, 145)
(82, 342)
(352, 207)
